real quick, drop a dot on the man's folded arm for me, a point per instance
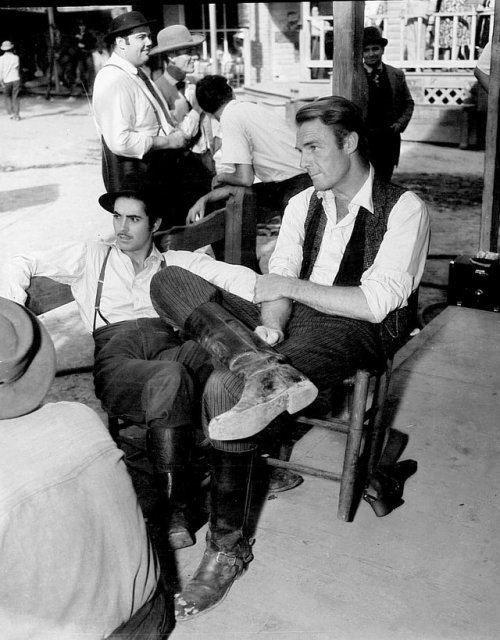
(62, 264)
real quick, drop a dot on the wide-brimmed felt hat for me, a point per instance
(126, 22)
(27, 360)
(373, 35)
(6, 45)
(174, 37)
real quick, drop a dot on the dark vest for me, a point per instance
(361, 251)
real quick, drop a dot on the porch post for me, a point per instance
(490, 212)
(213, 38)
(348, 79)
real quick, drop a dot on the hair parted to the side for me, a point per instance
(149, 200)
(212, 92)
(342, 115)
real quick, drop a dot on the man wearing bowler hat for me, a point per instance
(140, 136)
(76, 557)
(390, 105)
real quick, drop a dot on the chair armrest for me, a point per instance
(233, 229)
(208, 230)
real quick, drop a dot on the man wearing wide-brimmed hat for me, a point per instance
(390, 105)
(179, 49)
(10, 79)
(140, 135)
(76, 557)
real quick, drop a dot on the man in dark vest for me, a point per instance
(350, 253)
(390, 105)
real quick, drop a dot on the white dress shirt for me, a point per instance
(255, 135)
(400, 261)
(123, 109)
(76, 558)
(125, 295)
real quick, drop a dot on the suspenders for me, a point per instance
(155, 110)
(100, 282)
(98, 294)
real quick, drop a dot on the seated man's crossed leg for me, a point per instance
(250, 385)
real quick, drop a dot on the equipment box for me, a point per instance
(474, 282)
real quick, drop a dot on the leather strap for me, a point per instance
(152, 89)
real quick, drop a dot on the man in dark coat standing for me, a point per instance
(390, 105)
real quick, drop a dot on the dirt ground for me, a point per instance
(50, 179)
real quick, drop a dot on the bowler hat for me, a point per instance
(126, 22)
(372, 35)
(27, 360)
(6, 45)
(174, 37)
(142, 190)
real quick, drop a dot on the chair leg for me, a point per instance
(353, 446)
(378, 429)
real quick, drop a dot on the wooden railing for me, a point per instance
(415, 42)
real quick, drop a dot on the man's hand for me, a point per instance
(217, 182)
(271, 336)
(197, 211)
(271, 287)
(176, 140)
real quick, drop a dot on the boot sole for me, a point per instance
(191, 616)
(236, 424)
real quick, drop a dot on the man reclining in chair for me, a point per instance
(146, 373)
(350, 252)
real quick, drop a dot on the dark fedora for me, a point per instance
(141, 189)
(372, 35)
(126, 22)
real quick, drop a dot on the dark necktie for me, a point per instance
(181, 86)
(143, 76)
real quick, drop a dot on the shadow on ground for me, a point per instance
(28, 197)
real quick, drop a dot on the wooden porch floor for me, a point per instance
(427, 571)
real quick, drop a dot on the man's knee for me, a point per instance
(176, 292)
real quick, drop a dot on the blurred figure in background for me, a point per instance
(390, 105)
(10, 79)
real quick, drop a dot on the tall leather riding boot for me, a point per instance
(271, 385)
(228, 548)
(170, 453)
